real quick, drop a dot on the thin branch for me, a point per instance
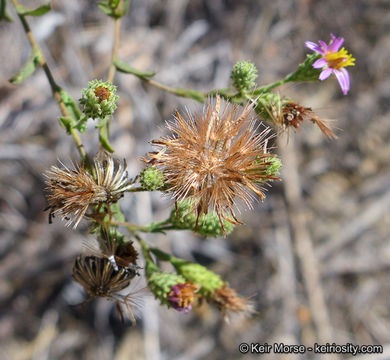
(112, 69)
(54, 87)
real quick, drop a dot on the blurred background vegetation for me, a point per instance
(314, 257)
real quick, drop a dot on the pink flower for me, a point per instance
(333, 60)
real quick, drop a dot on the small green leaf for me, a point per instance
(28, 69)
(105, 7)
(125, 68)
(81, 125)
(3, 11)
(103, 135)
(113, 3)
(24, 10)
(71, 106)
(66, 123)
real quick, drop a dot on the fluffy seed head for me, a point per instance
(212, 158)
(72, 191)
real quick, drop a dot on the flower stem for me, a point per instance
(54, 87)
(151, 228)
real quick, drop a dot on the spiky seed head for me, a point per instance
(210, 158)
(72, 191)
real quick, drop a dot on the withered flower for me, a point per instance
(294, 114)
(228, 301)
(214, 158)
(72, 191)
(182, 296)
(100, 279)
(288, 114)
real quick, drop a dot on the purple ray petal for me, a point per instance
(324, 46)
(320, 63)
(313, 46)
(343, 79)
(336, 44)
(325, 73)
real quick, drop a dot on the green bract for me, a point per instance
(208, 224)
(198, 274)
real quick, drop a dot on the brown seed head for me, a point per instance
(214, 158)
(102, 93)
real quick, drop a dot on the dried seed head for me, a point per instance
(100, 279)
(98, 276)
(212, 159)
(72, 191)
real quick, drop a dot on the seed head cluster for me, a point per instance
(214, 158)
(72, 191)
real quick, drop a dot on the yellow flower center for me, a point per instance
(339, 59)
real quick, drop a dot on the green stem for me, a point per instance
(151, 228)
(269, 87)
(53, 85)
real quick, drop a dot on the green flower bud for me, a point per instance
(198, 274)
(208, 224)
(161, 283)
(243, 75)
(99, 99)
(152, 178)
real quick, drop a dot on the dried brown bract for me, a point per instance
(214, 158)
(72, 191)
